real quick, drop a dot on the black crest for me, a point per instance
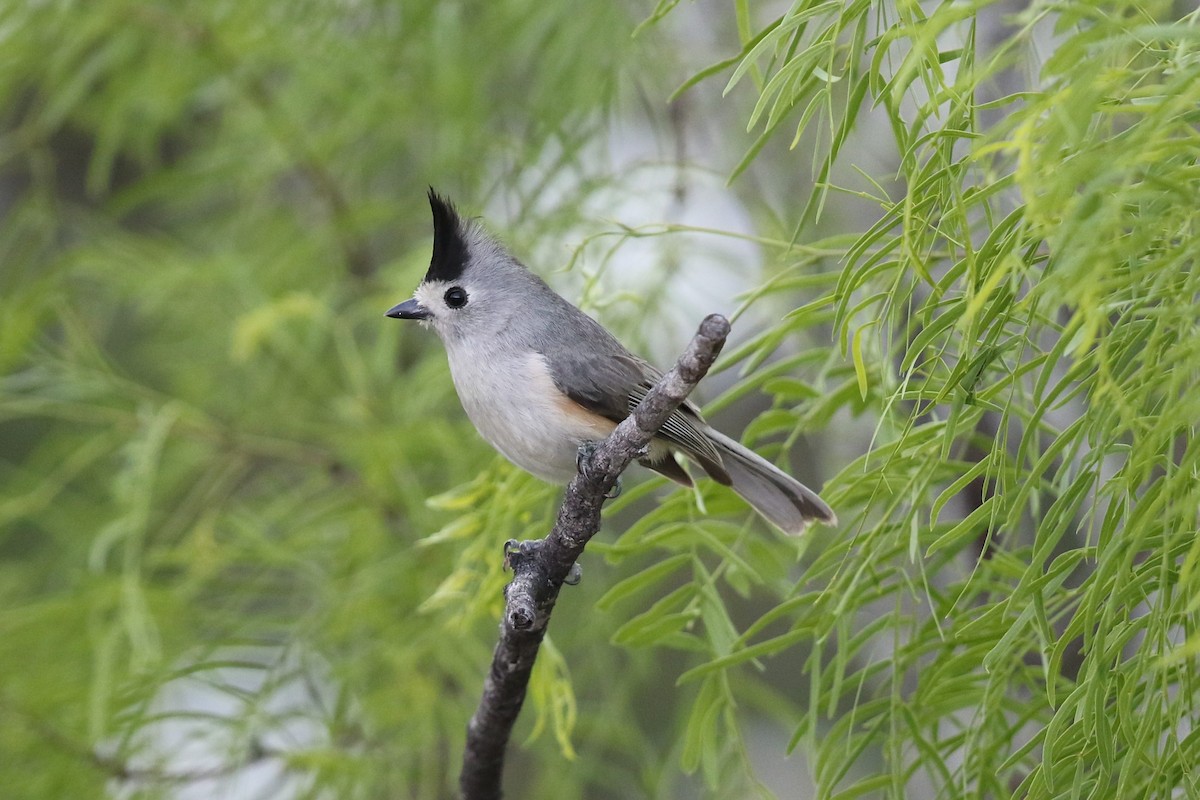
(449, 241)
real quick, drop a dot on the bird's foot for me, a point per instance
(515, 551)
(583, 457)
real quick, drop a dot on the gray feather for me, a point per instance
(609, 380)
(783, 500)
(666, 465)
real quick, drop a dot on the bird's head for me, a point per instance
(473, 285)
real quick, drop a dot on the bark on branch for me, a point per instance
(541, 566)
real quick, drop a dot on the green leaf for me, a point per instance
(643, 580)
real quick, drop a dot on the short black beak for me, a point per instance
(409, 309)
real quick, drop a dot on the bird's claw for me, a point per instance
(583, 456)
(514, 551)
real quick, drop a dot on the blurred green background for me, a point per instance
(251, 547)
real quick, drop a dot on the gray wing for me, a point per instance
(611, 381)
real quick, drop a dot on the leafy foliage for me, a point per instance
(215, 452)
(1008, 615)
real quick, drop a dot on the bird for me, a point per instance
(540, 379)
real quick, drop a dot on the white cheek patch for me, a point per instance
(429, 295)
(432, 295)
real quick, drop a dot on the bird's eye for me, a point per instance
(455, 297)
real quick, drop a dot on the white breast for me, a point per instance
(515, 405)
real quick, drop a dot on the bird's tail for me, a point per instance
(784, 501)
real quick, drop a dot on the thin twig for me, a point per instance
(541, 566)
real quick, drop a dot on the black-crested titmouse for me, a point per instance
(540, 379)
